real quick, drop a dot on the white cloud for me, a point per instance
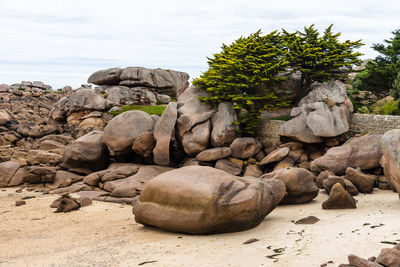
(63, 42)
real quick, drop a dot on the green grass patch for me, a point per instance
(281, 118)
(151, 110)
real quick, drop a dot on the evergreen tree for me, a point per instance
(379, 75)
(242, 74)
(319, 58)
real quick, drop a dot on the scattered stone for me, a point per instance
(250, 241)
(307, 220)
(65, 203)
(20, 203)
(339, 198)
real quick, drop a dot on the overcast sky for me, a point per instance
(62, 42)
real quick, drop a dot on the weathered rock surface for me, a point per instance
(390, 160)
(214, 154)
(364, 182)
(163, 131)
(121, 131)
(363, 152)
(191, 110)
(300, 186)
(324, 112)
(276, 155)
(203, 200)
(223, 129)
(329, 182)
(230, 165)
(138, 180)
(7, 171)
(339, 198)
(38, 174)
(144, 145)
(246, 147)
(389, 257)
(197, 139)
(168, 82)
(88, 151)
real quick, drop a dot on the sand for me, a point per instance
(105, 234)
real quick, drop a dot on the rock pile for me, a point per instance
(389, 257)
(161, 81)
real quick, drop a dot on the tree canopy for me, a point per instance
(247, 71)
(380, 74)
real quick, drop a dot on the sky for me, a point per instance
(62, 42)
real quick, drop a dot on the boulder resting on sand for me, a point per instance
(299, 183)
(204, 200)
(390, 161)
(363, 152)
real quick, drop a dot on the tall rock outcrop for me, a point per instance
(324, 112)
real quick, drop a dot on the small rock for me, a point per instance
(251, 240)
(20, 203)
(307, 220)
(339, 198)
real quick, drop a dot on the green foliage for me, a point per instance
(156, 110)
(282, 118)
(363, 110)
(246, 72)
(391, 108)
(385, 106)
(379, 75)
(242, 73)
(319, 57)
(395, 91)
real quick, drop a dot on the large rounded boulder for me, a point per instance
(299, 184)
(204, 200)
(88, 152)
(390, 161)
(121, 131)
(358, 152)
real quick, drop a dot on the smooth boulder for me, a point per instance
(121, 131)
(88, 152)
(339, 198)
(162, 134)
(203, 200)
(299, 183)
(245, 147)
(390, 161)
(363, 152)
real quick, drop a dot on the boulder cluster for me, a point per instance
(188, 170)
(388, 257)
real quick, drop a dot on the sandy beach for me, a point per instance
(106, 234)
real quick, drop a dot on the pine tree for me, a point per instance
(242, 74)
(319, 58)
(379, 74)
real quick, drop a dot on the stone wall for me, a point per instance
(360, 124)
